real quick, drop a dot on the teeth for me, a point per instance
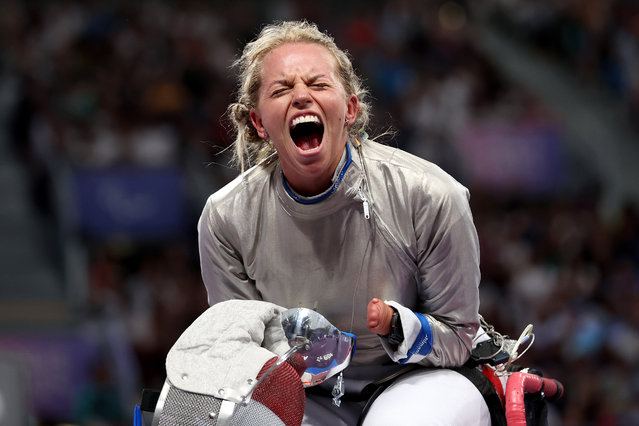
(305, 119)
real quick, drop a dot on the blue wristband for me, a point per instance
(424, 342)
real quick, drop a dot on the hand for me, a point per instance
(379, 315)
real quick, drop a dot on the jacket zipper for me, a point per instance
(367, 212)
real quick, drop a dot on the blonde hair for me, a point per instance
(249, 147)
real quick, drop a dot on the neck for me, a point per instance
(308, 182)
(322, 194)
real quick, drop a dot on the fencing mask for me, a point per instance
(246, 363)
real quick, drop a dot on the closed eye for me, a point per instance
(279, 91)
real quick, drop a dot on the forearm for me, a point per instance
(428, 341)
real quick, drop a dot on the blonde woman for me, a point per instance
(380, 242)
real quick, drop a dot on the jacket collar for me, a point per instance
(345, 184)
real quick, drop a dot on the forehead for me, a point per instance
(294, 58)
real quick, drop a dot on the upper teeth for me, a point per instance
(305, 119)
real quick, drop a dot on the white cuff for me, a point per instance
(411, 326)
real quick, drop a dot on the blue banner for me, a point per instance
(133, 202)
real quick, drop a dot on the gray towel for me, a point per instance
(225, 348)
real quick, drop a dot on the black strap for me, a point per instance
(149, 399)
(487, 390)
(373, 390)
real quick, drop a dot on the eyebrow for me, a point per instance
(314, 78)
(288, 82)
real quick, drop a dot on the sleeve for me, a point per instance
(439, 332)
(221, 265)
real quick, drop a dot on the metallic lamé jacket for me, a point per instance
(396, 227)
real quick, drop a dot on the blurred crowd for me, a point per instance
(596, 40)
(556, 264)
(100, 85)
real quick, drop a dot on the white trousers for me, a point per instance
(424, 397)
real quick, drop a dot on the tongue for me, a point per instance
(308, 142)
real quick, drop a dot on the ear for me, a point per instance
(352, 108)
(256, 119)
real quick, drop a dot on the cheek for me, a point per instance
(339, 113)
(273, 113)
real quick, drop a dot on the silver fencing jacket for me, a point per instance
(392, 226)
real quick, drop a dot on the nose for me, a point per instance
(301, 96)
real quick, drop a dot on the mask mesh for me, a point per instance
(278, 400)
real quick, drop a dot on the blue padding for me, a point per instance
(424, 343)
(354, 337)
(137, 416)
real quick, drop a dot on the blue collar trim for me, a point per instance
(326, 194)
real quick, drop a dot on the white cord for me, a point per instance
(513, 350)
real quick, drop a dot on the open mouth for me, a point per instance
(307, 132)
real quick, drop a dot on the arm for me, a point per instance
(449, 290)
(440, 330)
(223, 271)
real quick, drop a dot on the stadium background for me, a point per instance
(112, 136)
